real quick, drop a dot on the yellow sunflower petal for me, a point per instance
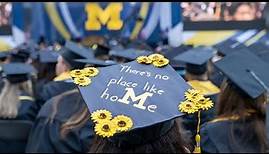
(193, 95)
(123, 123)
(82, 81)
(76, 73)
(204, 104)
(143, 60)
(187, 107)
(161, 62)
(156, 57)
(90, 71)
(105, 128)
(100, 115)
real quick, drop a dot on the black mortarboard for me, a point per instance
(171, 53)
(129, 54)
(100, 49)
(96, 62)
(247, 71)
(72, 51)
(137, 91)
(17, 72)
(138, 44)
(48, 56)
(229, 46)
(261, 49)
(196, 59)
(22, 54)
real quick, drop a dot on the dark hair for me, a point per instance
(173, 141)
(77, 116)
(252, 112)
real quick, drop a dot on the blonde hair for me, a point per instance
(9, 98)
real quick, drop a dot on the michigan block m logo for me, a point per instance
(110, 16)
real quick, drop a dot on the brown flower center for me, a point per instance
(121, 123)
(102, 116)
(105, 128)
(188, 105)
(81, 79)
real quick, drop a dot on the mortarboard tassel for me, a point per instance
(197, 148)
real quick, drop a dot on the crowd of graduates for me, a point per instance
(38, 93)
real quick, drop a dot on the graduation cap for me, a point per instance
(171, 53)
(95, 62)
(126, 101)
(48, 56)
(22, 54)
(100, 49)
(17, 72)
(229, 46)
(246, 71)
(196, 59)
(129, 54)
(261, 49)
(72, 51)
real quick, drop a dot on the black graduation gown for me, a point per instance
(45, 135)
(215, 138)
(27, 111)
(53, 88)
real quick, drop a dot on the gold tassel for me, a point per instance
(197, 148)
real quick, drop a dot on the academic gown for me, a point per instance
(216, 138)
(45, 135)
(27, 111)
(53, 88)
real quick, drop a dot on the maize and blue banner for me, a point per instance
(151, 22)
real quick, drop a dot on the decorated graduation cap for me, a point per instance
(48, 56)
(129, 54)
(72, 51)
(229, 46)
(135, 102)
(247, 72)
(196, 59)
(17, 72)
(95, 62)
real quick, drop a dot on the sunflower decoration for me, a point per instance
(188, 107)
(76, 73)
(161, 62)
(143, 60)
(82, 81)
(90, 71)
(193, 95)
(156, 57)
(105, 128)
(123, 123)
(101, 115)
(204, 104)
(195, 102)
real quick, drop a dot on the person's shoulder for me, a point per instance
(62, 107)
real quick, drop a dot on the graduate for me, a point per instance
(241, 108)
(17, 96)
(63, 125)
(196, 68)
(65, 63)
(136, 106)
